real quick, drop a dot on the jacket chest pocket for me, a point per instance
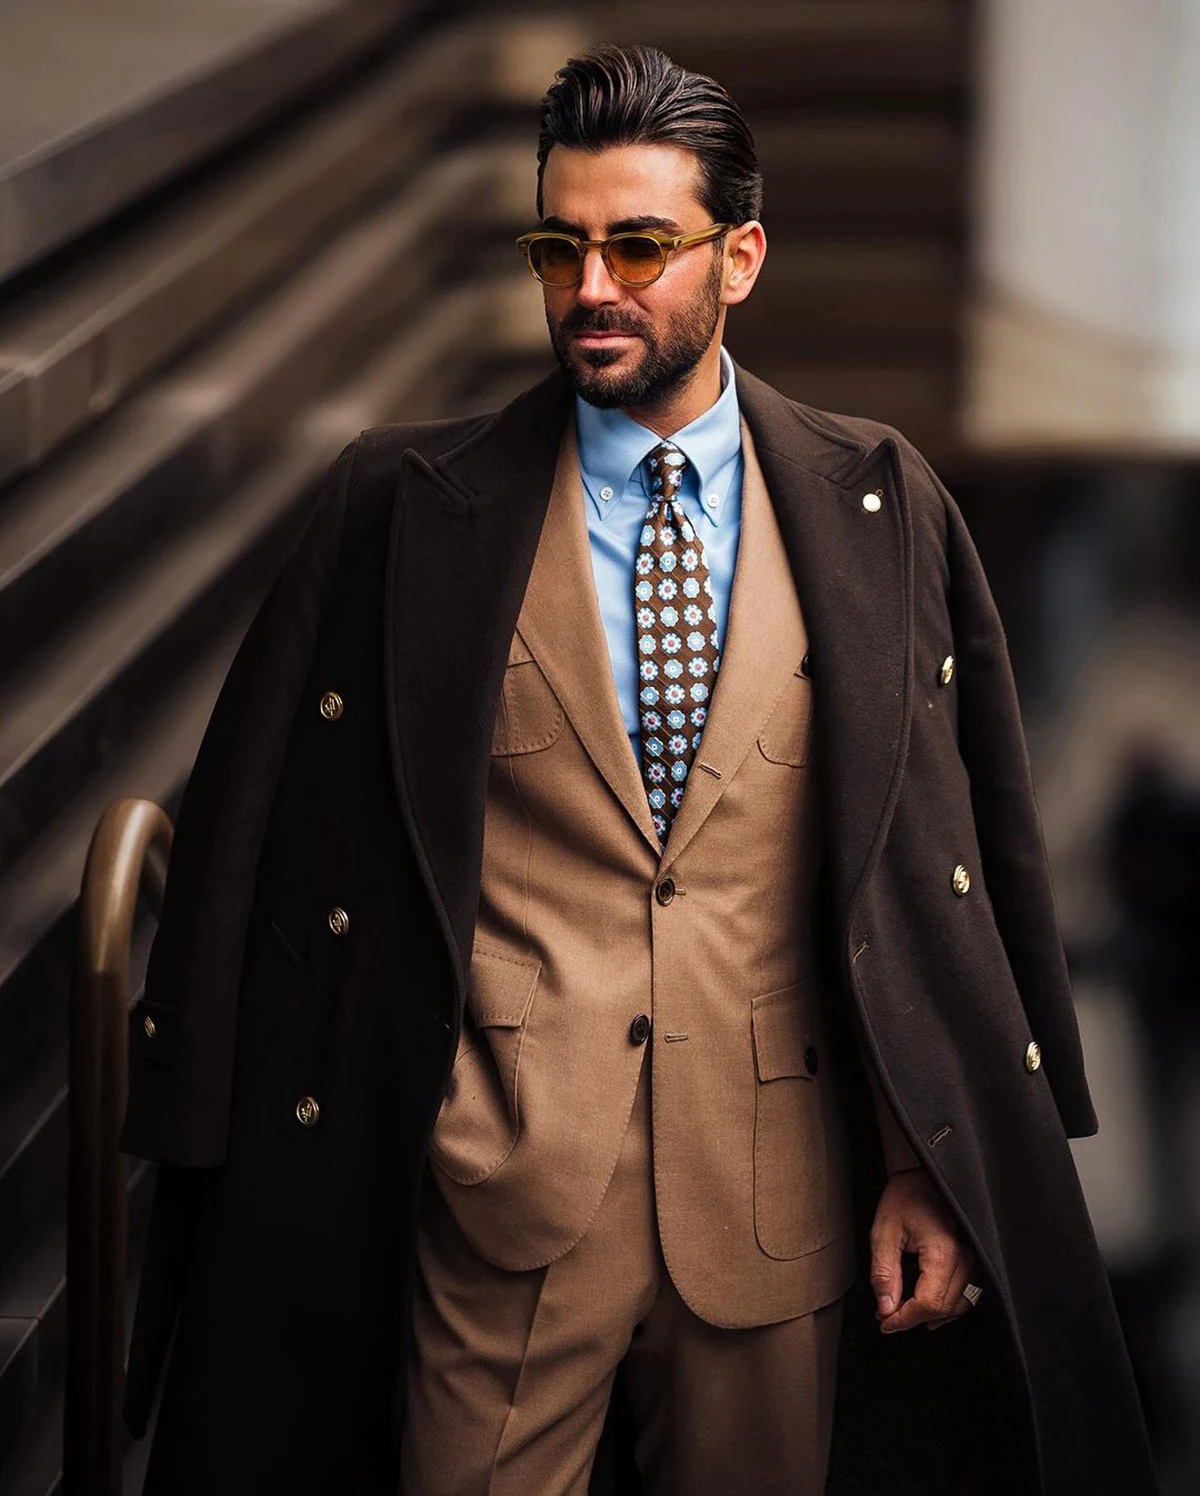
(788, 734)
(528, 715)
(792, 1215)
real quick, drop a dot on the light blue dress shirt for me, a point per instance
(612, 452)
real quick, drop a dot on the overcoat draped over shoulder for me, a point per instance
(298, 1058)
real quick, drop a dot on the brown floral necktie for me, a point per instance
(679, 647)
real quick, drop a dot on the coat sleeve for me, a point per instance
(1012, 849)
(181, 1079)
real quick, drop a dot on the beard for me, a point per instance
(668, 356)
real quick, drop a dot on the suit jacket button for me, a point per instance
(339, 921)
(1033, 1056)
(148, 1025)
(639, 1029)
(947, 674)
(307, 1112)
(665, 891)
(332, 706)
(806, 666)
(961, 879)
(811, 1060)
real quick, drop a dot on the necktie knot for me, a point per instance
(666, 465)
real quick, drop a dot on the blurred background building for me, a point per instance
(235, 232)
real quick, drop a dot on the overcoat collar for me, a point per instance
(464, 535)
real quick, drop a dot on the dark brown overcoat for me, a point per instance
(281, 1255)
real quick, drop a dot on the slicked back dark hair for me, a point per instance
(636, 95)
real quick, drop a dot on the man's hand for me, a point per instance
(912, 1217)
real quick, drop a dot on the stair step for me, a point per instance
(101, 107)
(155, 461)
(415, 376)
(853, 298)
(33, 1336)
(71, 349)
(833, 174)
(795, 51)
(33, 1151)
(918, 398)
(33, 1328)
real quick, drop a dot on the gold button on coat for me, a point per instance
(339, 921)
(332, 706)
(961, 879)
(947, 670)
(1033, 1056)
(148, 1025)
(307, 1112)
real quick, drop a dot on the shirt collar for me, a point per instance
(613, 446)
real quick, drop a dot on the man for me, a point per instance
(608, 901)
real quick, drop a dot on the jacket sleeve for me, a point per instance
(181, 1078)
(1012, 849)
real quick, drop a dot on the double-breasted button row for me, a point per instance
(307, 1111)
(331, 706)
(339, 921)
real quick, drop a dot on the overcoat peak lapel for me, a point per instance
(852, 566)
(463, 537)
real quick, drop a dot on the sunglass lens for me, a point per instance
(636, 260)
(555, 261)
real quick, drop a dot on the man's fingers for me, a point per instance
(931, 1297)
(887, 1279)
(957, 1304)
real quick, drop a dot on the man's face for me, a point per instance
(631, 345)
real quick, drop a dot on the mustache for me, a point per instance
(602, 319)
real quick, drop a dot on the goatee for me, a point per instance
(666, 363)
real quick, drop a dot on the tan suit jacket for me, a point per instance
(579, 932)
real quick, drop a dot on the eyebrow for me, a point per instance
(622, 226)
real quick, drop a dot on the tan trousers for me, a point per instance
(512, 1371)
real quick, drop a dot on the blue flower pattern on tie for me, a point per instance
(670, 548)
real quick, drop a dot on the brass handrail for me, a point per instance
(117, 867)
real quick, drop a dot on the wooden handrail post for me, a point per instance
(96, 1199)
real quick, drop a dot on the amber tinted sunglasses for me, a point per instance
(636, 258)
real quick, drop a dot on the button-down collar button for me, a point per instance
(665, 891)
(947, 670)
(339, 921)
(606, 493)
(332, 706)
(148, 1026)
(872, 502)
(961, 879)
(1033, 1056)
(639, 1029)
(307, 1112)
(712, 500)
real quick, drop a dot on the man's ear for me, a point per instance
(745, 251)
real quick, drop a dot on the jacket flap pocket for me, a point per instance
(783, 1044)
(152, 1032)
(501, 989)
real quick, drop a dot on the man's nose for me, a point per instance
(597, 287)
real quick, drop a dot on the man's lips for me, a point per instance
(602, 339)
